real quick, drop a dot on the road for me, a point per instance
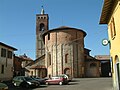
(77, 84)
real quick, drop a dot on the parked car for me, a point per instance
(3, 86)
(57, 80)
(46, 78)
(24, 81)
(40, 80)
(66, 76)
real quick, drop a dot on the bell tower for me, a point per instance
(41, 26)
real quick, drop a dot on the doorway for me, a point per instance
(117, 71)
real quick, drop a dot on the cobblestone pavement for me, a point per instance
(76, 84)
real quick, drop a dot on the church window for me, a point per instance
(42, 27)
(41, 17)
(48, 36)
(44, 17)
(66, 58)
(49, 59)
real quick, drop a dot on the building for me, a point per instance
(37, 68)
(61, 51)
(42, 25)
(105, 66)
(17, 66)
(92, 65)
(6, 61)
(20, 62)
(64, 51)
(25, 60)
(111, 16)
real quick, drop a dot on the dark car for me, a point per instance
(40, 80)
(3, 86)
(24, 81)
(57, 80)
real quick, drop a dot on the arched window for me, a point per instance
(66, 58)
(42, 27)
(67, 71)
(49, 59)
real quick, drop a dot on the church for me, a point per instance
(61, 51)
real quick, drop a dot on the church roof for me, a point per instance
(64, 28)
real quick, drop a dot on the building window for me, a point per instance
(112, 28)
(49, 59)
(3, 52)
(44, 17)
(2, 69)
(66, 58)
(41, 17)
(9, 54)
(48, 36)
(42, 27)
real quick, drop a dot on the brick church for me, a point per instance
(61, 51)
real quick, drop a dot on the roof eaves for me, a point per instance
(63, 28)
(8, 46)
(106, 11)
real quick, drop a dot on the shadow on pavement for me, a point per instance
(74, 82)
(12, 87)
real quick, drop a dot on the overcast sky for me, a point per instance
(18, 22)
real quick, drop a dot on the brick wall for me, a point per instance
(60, 44)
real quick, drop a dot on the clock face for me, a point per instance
(105, 42)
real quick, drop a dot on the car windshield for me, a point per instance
(54, 78)
(28, 78)
(38, 78)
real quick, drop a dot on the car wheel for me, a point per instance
(27, 86)
(60, 83)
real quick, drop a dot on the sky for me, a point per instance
(18, 22)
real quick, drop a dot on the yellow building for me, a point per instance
(111, 16)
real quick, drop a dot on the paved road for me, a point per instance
(83, 84)
(77, 84)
